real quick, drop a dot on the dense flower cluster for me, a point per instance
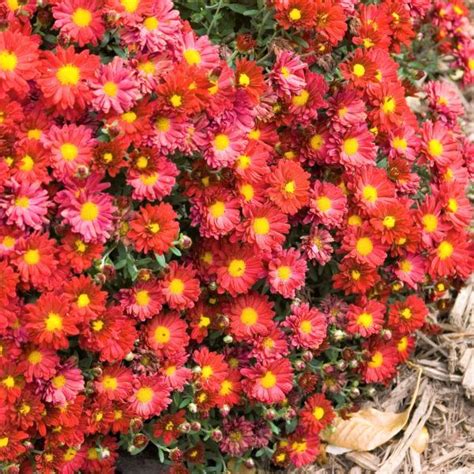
(208, 252)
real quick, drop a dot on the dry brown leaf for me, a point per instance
(421, 441)
(369, 428)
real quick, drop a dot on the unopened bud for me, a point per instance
(195, 426)
(217, 435)
(228, 339)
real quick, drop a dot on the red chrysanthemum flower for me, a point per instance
(330, 20)
(362, 245)
(166, 334)
(328, 204)
(287, 272)
(392, 221)
(250, 315)
(268, 382)
(149, 397)
(381, 364)
(360, 70)
(78, 254)
(64, 76)
(438, 143)
(38, 363)
(355, 277)
(212, 368)
(407, 316)
(168, 427)
(180, 286)
(289, 185)
(249, 77)
(80, 20)
(143, 301)
(308, 326)
(355, 148)
(18, 61)
(115, 383)
(404, 346)
(8, 281)
(317, 413)
(219, 216)
(297, 14)
(365, 319)
(86, 298)
(303, 447)
(49, 322)
(154, 228)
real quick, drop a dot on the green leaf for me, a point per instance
(160, 260)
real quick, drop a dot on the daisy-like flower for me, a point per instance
(91, 216)
(35, 260)
(77, 253)
(70, 146)
(219, 216)
(28, 206)
(304, 106)
(212, 368)
(230, 390)
(451, 256)
(114, 87)
(390, 107)
(198, 50)
(456, 205)
(175, 374)
(289, 72)
(308, 326)
(149, 397)
(317, 246)
(38, 363)
(252, 164)
(317, 413)
(154, 228)
(356, 147)
(223, 147)
(80, 20)
(64, 76)
(238, 436)
(166, 334)
(360, 70)
(287, 272)
(115, 383)
(265, 226)
(289, 186)
(444, 98)
(297, 14)
(404, 346)
(65, 385)
(268, 382)
(87, 300)
(18, 61)
(237, 269)
(362, 245)
(180, 286)
(303, 448)
(392, 221)
(371, 187)
(355, 277)
(249, 77)
(407, 316)
(250, 315)
(143, 300)
(167, 427)
(328, 204)
(428, 217)
(365, 319)
(381, 362)
(403, 142)
(346, 109)
(49, 322)
(330, 20)
(438, 144)
(8, 281)
(411, 270)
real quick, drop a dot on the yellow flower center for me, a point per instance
(365, 320)
(68, 75)
(376, 361)
(207, 372)
(350, 146)
(435, 147)
(261, 225)
(169, 371)
(299, 447)
(406, 313)
(35, 357)
(301, 99)
(247, 191)
(129, 117)
(144, 394)
(430, 222)
(162, 335)
(54, 322)
(3, 442)
(89, 211)
(217, 209)
(354, 220)
(32, 257)
(399, 143)
(142, 298)
(59, 381)
(130, 6)
(249, 316)
(153, 227)
(295, 14)
(406, 266)
(22, 202)
(355, 275)
(151, 23)
(92, 454)
(268, 380)
(107, 157)
(388, 105)
(27, 163)
(8, 61)
(81, 247)
(24, 409)
(452, 205)
(306, 326)
(358, 70)
(369, 193)
(81, 17)
(69, 151)
(318, 413)
(243, 162)
(109, 383)
(244, 80)
(445, 250)
(192, 56)
(236, 268)
(221, 142)
(389, 222)
(323, 203)
(204, 321)
(8, 381)
(34, 134)
(176, 286)
(83, 300)
(364, 246)
(110, 89)
(176, 100)
(163, 124)
(97, 325)
(402, 344)
(316, 142)
(284, 272)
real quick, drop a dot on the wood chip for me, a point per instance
(364, 459)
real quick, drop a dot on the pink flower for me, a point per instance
(64, 386)
(317, 245)
(223, 147)
(289, 73)
(197, 51)
(328, 204)
(90, 215)
(27, 206)
(286, 272)
(115, 87)
(411, 270)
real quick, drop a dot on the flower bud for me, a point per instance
(140, 440)
(195, 426)
(300, 365)
(136, 424)
(341, 365)
(353, 364)
(185, 427)
(185, 242)
(354, 393)
(338, 335)
(176, 455)
(249, 463)
(130, 356)
(212, 286)
(386, 334)
(217, 435)
(228, 339)
(307, 356)
(192, 407)
(270, 414)
(225, 410)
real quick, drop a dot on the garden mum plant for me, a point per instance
(220, 223)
